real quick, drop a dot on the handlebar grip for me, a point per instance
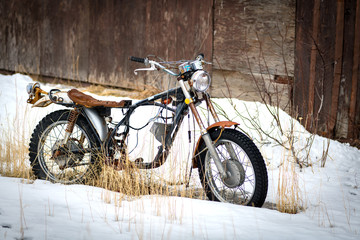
(136, 59)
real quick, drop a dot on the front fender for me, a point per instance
(210, 129)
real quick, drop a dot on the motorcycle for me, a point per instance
(71, 145)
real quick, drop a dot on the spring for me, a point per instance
(72, 119)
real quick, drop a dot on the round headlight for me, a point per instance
(31, 87)
(201, 80)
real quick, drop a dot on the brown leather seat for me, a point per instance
(88, 101)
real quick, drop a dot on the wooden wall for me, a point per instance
(253, 49)
(255, 36)
(327, 93)
(91, 40)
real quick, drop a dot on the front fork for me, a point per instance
(209, 143)
(204, 134)
(210, 106)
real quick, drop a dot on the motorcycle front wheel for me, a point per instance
(74, 162)
(247, 180)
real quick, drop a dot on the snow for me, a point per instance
(329, 195)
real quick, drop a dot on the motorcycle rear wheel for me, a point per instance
(68, 167)
(247, 183)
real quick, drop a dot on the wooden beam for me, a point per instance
(338, 65)
(355, 70)
(313, 55)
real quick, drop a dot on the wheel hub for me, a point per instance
(235, 172)
(63, 156)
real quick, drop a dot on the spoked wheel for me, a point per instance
(70, 163)
(247, 180)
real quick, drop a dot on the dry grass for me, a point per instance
(288, 197)
(14, 151)
(149, 91)
(12, 155)
(133, 183)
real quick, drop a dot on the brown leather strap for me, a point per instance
(88, 101)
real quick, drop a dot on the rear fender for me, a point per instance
(97, 122)
(210, 129)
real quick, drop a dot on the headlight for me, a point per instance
(30, 88)
(201, 80)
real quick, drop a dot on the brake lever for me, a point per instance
(151, 68)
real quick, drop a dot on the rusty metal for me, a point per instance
(197, 117)
(74, 114)
(37, 95)
(223, 124)
(211, 107)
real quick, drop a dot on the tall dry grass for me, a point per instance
(14, 149)
(133, 183)
(288, 199)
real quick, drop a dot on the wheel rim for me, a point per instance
(52, 168)
(241, 187)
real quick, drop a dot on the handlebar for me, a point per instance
(137, 59)
(156, 65)
(153, 65)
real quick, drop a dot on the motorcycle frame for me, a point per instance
(181, 110)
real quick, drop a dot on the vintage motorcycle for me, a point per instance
(71, 145)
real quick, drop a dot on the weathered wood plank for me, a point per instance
(11, 33)
(303, 45)
(342, 118)
(3, 34)
(338, 64)
(325, 65)
(353, 129)
(28, 36)
(313, 57)
(129, 40)
(101, 42)
(64, 39)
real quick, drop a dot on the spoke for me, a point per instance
(251, 182)
(222, 153)
(59, 174)
(224, 193)
(53, 165)
(58, 132)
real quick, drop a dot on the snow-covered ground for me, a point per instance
(330, 196)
